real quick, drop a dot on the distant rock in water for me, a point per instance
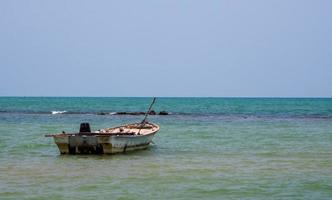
(101, 113)
(130, 113)
(152, 112)
(121, 113)
(163, 113)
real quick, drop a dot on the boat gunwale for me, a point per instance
(59, 135)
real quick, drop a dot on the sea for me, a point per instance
(207, 148)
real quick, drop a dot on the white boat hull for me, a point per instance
(102, 143)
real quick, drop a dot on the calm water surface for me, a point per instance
(208, 148)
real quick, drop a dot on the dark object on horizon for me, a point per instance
(163, 113)
(101, 113)
(137, 113)
(121, 113)
(152, 112)
(85, 128)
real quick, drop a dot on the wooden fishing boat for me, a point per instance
(119, 139)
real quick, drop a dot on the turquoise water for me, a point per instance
(208, 148)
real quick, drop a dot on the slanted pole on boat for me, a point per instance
(146, 115)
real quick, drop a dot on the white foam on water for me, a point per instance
(58, 112)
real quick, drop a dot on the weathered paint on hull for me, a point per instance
(102, 144)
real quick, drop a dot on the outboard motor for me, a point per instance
(85, 128)
(84, 142)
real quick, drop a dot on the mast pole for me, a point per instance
(149, 110)
(146, 115)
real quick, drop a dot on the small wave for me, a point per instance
(58, 112)
(113, 113)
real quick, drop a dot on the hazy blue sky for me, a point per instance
(166, 48)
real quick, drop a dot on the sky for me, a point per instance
(174, 48)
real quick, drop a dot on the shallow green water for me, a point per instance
(209, 148)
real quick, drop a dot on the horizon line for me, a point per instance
(281, 97)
